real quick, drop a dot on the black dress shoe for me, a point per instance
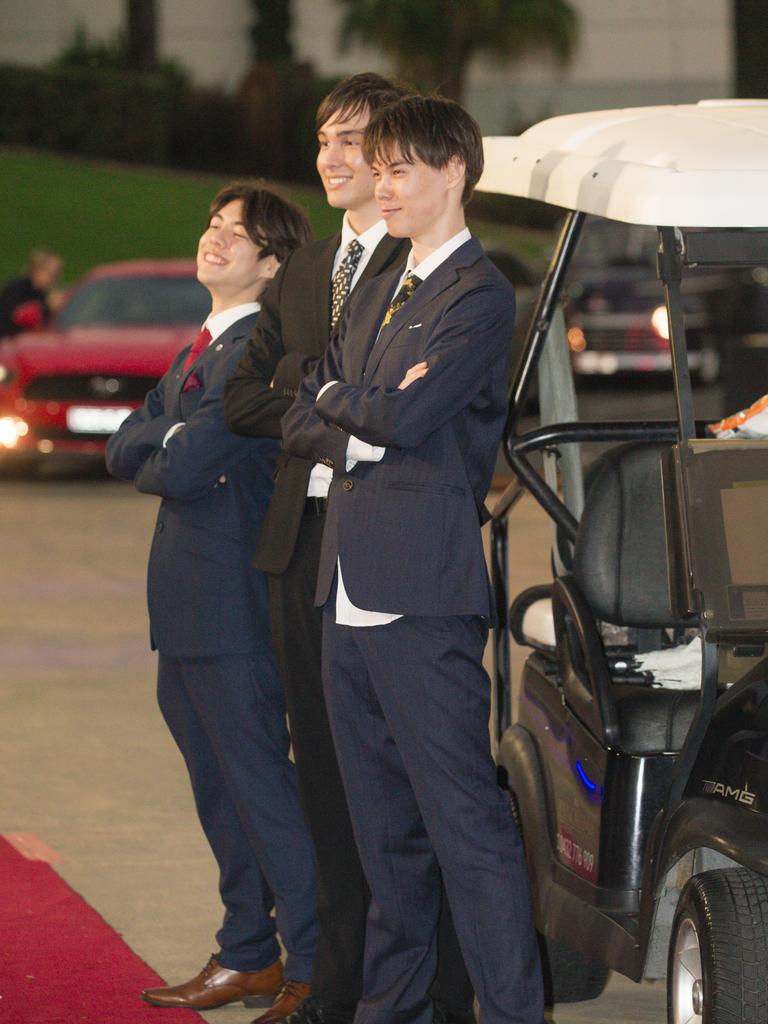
(318, 1011)
(442, 1014)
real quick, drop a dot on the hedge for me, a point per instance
(113, 114)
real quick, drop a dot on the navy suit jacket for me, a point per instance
(204, 597)
(407, 529)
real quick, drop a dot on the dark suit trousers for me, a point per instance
(227, 715)
(409, 704)
(342, 892)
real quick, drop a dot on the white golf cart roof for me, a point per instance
(693, 165)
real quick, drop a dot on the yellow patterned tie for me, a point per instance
(408, 287)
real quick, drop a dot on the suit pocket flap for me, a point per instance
(435, 488)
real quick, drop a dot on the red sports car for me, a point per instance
(64, 390)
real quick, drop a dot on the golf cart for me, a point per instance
(640, 787)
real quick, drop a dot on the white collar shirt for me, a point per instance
(217, 323)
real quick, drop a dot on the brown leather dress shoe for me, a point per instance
(216, 986)
(291, 995)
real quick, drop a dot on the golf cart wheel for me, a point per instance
(718, 951)
(569, 976)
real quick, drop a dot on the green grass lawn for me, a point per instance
(93, 212)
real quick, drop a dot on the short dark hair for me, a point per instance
(365, 92)
(432, 129)
(276, 225)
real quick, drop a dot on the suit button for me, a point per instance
(347, 485)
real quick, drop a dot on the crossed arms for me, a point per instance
(470, 338)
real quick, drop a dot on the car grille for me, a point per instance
(90, 388)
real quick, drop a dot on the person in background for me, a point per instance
(300, 313)
(218, 685)
(26, 301)
(408, 405)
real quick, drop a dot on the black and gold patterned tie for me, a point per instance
(342, 279)
(408, 287)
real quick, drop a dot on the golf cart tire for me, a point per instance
(723, 915)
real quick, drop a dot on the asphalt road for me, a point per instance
(88, 765)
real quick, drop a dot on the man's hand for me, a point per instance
(415, 373)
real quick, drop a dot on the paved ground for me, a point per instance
(88, 764)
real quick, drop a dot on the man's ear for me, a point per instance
(271, 265)
(456, 172)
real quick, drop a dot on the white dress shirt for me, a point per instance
(217, 323)
(348, 614)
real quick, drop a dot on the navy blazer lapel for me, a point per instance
(239, 329)
(388, 252)
(440, 279)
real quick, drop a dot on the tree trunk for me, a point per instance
(751, 38)
(141, 34)
(434, 74)
(450, 70)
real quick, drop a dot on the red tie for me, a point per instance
(201, 343)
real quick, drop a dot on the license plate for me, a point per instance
(86, 419)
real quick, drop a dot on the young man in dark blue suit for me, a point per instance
(218, 685)
(299, 315)
(408, 405)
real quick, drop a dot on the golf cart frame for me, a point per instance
(642, 808)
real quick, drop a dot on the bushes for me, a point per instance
(157, 118)
(91, 112)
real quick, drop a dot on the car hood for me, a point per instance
(141, 350)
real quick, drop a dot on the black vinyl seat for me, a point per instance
(620, 577)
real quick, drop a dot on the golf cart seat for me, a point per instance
(620, 577)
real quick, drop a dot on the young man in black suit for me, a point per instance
(218, 685)
(300, 312)
(418, 374)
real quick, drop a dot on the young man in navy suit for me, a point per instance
(218, 685)
(300, 312)
(408, 406)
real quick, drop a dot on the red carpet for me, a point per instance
(60, 962)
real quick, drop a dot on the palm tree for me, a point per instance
(433, 41)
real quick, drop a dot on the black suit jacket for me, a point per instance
(291, 335)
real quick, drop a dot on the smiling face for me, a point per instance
(345, 175)
(418, 201)
(229, 264)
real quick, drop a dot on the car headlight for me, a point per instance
(660, 322)
(6, 375)
(11, 429)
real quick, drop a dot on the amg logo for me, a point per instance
(730, 792)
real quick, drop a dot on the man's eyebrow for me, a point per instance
(389, 164)
(347, 131)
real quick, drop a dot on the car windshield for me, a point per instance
(606, 243)
(136, 301)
